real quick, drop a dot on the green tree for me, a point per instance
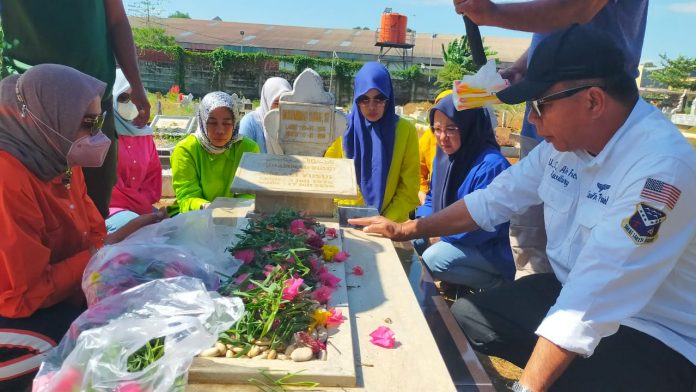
(676, 73)
(179, 14)
(152, 37)
(458, 62)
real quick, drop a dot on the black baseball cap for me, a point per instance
(579, 52)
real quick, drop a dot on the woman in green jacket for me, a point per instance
(204, 163)
(383, 146)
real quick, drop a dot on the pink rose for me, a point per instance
(335, 319)
(331, 233)
(358, 271)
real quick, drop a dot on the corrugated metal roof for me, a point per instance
(204, 35)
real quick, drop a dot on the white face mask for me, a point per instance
(128, 111)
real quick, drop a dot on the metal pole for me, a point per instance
(430, 67)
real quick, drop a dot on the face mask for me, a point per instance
(128, 111)
(89, 151)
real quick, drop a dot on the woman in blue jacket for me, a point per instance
(468, 158)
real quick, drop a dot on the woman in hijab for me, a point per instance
(50, 127)
(139, 171)
(427, 146)
(468, 158)
(383, 146)
(251, 125)
(204, 163)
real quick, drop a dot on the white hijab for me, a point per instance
(270, 91)
(123, 126)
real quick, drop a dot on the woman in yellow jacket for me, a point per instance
(383, 146)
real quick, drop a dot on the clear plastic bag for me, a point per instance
(478, 90)
(93, 356)
(186, 245)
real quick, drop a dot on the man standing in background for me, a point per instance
(623, 20)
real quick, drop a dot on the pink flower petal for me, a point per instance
(329, 279)
(331, 233)
(245, 255)
(335, 319)
(322, 294)
(291, 288)
(341, 256)
(383, 337)
(241, 278)
(358, 271)
(297, 226)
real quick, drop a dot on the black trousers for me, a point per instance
(502, 321)
(101, 180)
(23, 342)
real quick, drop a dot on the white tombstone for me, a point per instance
(171, 125)
(306, 121)
(693, 107)
(291, 181)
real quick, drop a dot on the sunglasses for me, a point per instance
(123, 98)
(537, 103)
(93, 124)
(364, 100)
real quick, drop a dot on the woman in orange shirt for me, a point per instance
(50, 126)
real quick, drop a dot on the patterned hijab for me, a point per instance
(371, 144)
(212, 101)
(55, 96)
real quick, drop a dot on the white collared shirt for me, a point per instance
(621, 253)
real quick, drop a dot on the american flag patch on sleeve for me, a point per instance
(660, 192)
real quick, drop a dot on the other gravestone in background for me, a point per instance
(306, 121)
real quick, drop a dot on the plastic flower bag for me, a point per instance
(103, 345)
(120, 267)
(478, 90)
(186, 245)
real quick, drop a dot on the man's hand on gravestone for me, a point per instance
(380, 225)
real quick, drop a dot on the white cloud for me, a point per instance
(689, 8)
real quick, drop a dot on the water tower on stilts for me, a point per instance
(393, 36)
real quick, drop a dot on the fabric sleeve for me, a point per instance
(152, 185)
(484, 175)
(423, 148)
(28, 281)
(186, 179)
(511, 192)
(626, 253)
(405, 197)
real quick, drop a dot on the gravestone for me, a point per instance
(171, 125)
(300, 182)
(306, 121)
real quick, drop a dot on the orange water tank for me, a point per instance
(393, 28)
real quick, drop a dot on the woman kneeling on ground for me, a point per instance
(204, 163)
(468, 158)
(50, 127)
(383, 146)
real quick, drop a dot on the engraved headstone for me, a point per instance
(290, 181)
(306, 121)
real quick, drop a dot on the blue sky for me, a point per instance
(667, 29)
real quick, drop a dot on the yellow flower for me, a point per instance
(320, 317)
(94, 277)
(329, 251)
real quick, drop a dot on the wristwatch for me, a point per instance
(517, 387)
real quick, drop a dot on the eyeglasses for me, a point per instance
(448, 131)
(379, 100)
(537, 103)
(93, 124)
(123, 98)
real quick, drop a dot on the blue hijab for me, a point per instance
(371, 144)
(450, 171)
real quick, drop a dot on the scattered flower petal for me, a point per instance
(341, 256)
(329, 279)
(322, 294)
(245, 255)
(335, 319)
(331, 233)
(383, 337)
(297, 226)
(241, 278)
(291, 288)
(358, 271)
